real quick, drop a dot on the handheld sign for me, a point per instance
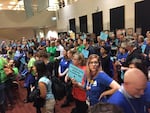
(83, 36)
(103, 36)
(143, 48)
(22, 60)
(76, 73)
(85, 53)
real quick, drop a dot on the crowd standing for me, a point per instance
(115, 71)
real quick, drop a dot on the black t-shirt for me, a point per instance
(135, 54)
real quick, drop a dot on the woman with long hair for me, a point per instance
(44, 85)
(98, 81)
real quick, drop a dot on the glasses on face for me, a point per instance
(74, 59)
(95, 63)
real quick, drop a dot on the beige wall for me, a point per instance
(19, 19)
(15, 24)
(87, 7)
(16, 33)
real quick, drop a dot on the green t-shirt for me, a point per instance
(31, 63)
(80, 48)
(52, 52)
(16, 72)
(3, 76)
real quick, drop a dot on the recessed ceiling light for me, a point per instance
(10, 7)
(1, 4)
(20, 3)
(12, 3)
(54, 18)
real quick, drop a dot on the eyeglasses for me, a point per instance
(74, 59)
(95, 63)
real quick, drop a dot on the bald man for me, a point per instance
(130, 96)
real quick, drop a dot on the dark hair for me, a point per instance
(88, 40)
(30, 51)
(58, 41)
(41, 68)
(105, 108)
(42, 53)
(140, 65)
(107, 49)
(71, 40)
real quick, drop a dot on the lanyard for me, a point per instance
(129, 102)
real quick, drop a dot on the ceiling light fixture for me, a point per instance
(10, 7)
(12, 3)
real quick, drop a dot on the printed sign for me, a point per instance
(103, 36)
(85, 53)
(83, 36)
(76, 73)
(143, 48)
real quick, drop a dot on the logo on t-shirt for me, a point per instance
(95, 83)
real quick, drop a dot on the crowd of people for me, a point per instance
(115, 71)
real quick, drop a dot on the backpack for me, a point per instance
(58, 88)
(35, 97)
(104, 108)
(35, 93)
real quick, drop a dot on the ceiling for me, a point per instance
(19, 4)
(13, 4)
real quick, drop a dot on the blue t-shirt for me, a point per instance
(119, 99)
(121, 56)
(100, 83)
(146, 95)
(48, 83)
(64, 64)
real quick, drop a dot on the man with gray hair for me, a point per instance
(133, 52)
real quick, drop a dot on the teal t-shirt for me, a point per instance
(48, 84)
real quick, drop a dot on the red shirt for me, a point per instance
(77, 92)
